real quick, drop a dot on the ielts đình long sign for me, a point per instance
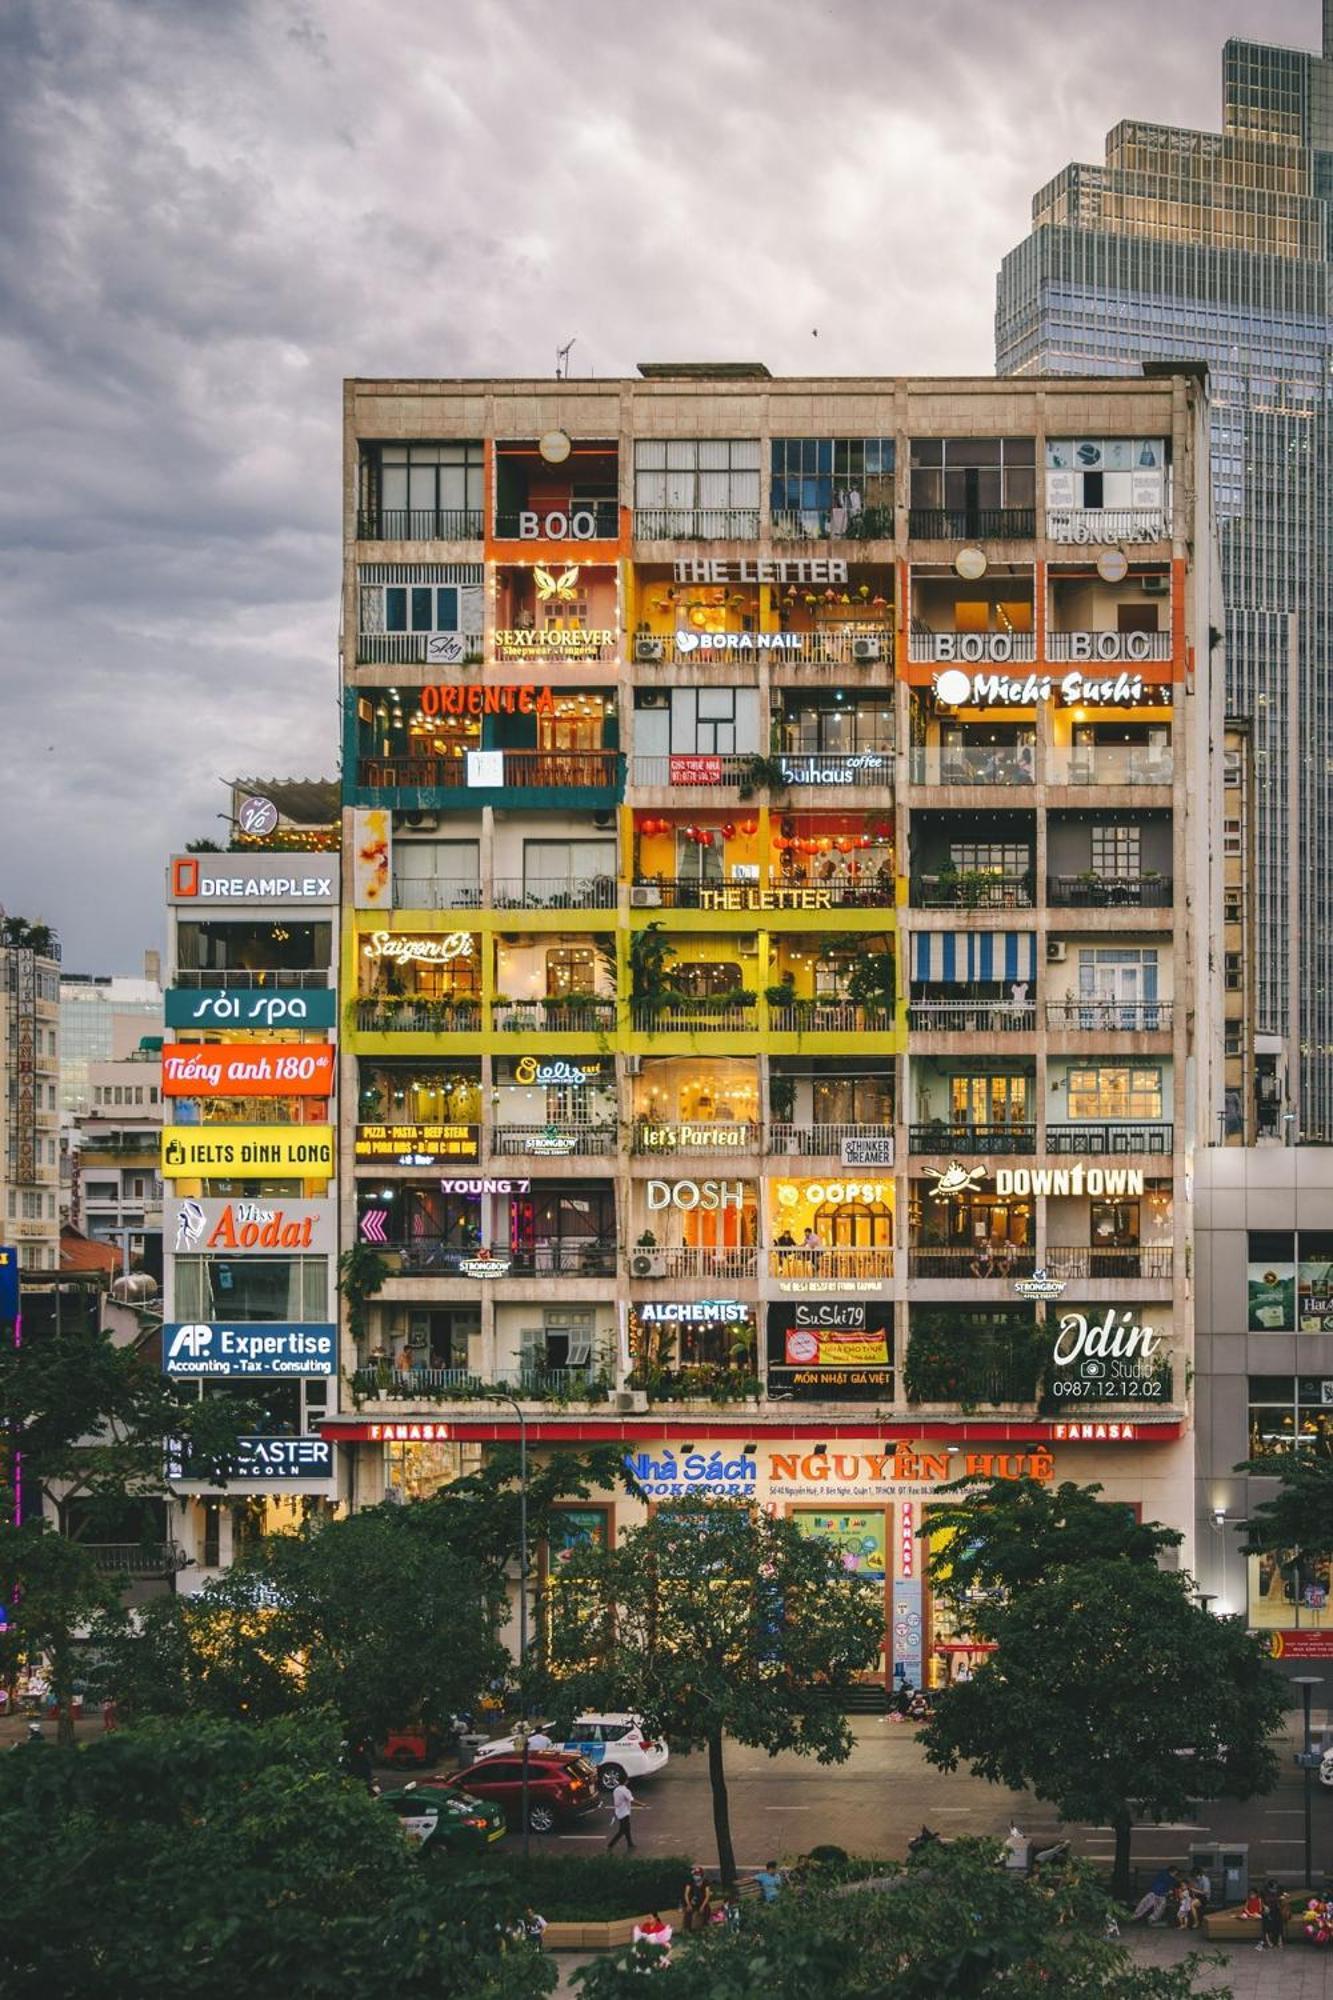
(252, 1069)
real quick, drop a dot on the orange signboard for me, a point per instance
(247, 1069)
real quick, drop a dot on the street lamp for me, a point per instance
(1307, 1758)
(503, 1396)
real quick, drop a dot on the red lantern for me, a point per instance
(705, 837)
(749, 827)
(824, 844)
(845, 845)
(728, 829)
(864, 840)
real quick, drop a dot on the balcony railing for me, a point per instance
(853, 1145)
(1112, 649)
(696, 524)
(872, 1263)
(972, 524)
(1154, 1136)
(971, 649)
(857, 646)
(419, 649)
(435, 893)
(522, 770)
(1091, 891)
(601, 516)
(394, 1016)
(959, 1376)
(419, 524)
(728, 771)
(137, 1558)
(972, 1017)
(692, 1017)
(973, 764)
(1111, 1017)
(576, 1257)
(965, 1140)
(591, 1383)
(973, 889)
(1094, 1260)
(577, 1014)
(1110, 764)
(690, 1260)
(1107, 524)
(830, 1017)
(870, 765)
(556, 892)
(695, 1136)
(555, 1141)
(816, 524)
(279, 979)
(974, 1260)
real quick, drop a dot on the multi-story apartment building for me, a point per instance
(29, 1087)
(92, 1008)
(780, 876)
(247, 1155)
(116, 1183)
(1216, 246)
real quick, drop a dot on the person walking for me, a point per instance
(696, 1900)
(623, 1803)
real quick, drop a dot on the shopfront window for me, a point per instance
(1116, 1091)
(833, 486)
(418, 1093)
(570, 969)
(252, 1288)
(988, 1100)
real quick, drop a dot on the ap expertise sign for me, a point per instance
(197, 1348)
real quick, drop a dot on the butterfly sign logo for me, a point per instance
(553, 589)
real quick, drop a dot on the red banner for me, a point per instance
(1301, 1645)
(250, 1069)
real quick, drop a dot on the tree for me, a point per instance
(952, 1925)
(53, 1588)
(1296, 1523)
(219, 1859)
(1011, 1533)
(1112, 1693)
(713, 1620)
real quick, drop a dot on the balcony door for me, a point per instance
(988, 1101)
(1120, 984)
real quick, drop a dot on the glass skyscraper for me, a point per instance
(1216, 247)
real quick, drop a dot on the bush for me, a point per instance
(589, 1888)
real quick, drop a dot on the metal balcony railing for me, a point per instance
(973, 764)
(979, 651)
(1148, 1136)
(547, 770)
(1090, 891)
(871, 1263)
(394, 1016)
(279, 979)
(689, 1260)
(137, 1558)
(991, 1016)
(419, 524)
(726, 771)
(972, 524)
(830, 1017)
(859, 1145)
(1107, 524)
(718, 1137)
(974, 1260)
(1110, 764)
(576, 1257)
(692, 1017)
(696, 524)
(556, 892)
(1110, 649)
(1110, 1017)
(966, 1140)
(602, 516)
(1095, 1260)
(433, 892)
(973, 890)
(418, 649)
(577, 1014)
(817, 524)
(555, 1141)
(588, 1383)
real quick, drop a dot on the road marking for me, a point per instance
(788, 1808)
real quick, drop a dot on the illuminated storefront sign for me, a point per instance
(842, 773)
(264, 1461)
(525, 699)
(1108, 1360)
(867, 1152)
(825, 1348)
(1116, 1335)
(301, 1348)
(248, 1225)
(425, 1144)
(955, 1179)
(750, 896)
(759, 569)
(195, 878)
(486, 1187)
(668, 1478)
(485, 1265)
(1075, 1180)
(695, 1138)
(249, 1069)
(955, 689)
(1039, 1286)
(790, 1194)
(555, 1075)
(689, 1195)
(530, 642)
(572, 524)
(402, 949)
(837, 1350)
(739, 642)
(247, 1152)
(864, 1474)
(1095, 1433)
(702, 1312)
(212, 1007)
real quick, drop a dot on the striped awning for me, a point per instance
(974, 957)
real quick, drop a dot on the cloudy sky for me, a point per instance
(216, 209)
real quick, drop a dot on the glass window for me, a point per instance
(252, 1288)
(1116, 851)
(1120, 1091)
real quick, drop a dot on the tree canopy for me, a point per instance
(1010, 1533)
(1295, 1522)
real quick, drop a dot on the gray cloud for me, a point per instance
(216, 211)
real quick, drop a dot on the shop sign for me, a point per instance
(810, 1286)
(247, 1152)
(842, 773)
(415, 1145)
(907, 1539)
(196, 878)
(555, 1075)
(695, 1312)
(486, 1187)
(868, 1152)
(1039, 1286)
(9, 1282)
(1075, 1180)
(485, 769)
(858, 1538)
(688, 1195)
(670, 1478)
(552, 1144)
(426, 1433)
(572, 524)
(1094, 1433)
(248, 1225)
(760, 569)
(261, 1460)
(305, 1347)
(807, 1347)
(750, 896)
(955, 1179)
(865, 1474)
(714, 1138)
(402, 949)
(533, 642)
(1110, 1360)
(213, 1007)
(256, 817)
(694, 770)
(1116, 1335)
(1315, 1295)
(835, 1193)
(247, 1069)
(688, 641)
(1307, 1645)
(485, 1265)
(441, 698)
(955, 689)
(1109, 646)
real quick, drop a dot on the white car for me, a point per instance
(617, 1745)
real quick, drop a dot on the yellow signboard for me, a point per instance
(247, 1152)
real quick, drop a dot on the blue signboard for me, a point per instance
(210, 1007)
(200, 1347)
(9, 1282)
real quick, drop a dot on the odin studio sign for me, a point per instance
(1107, 1360)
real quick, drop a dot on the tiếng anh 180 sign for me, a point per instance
(249, 1069)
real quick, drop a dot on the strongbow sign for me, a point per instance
(272, 878)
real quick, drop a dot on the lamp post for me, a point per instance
(1306, 1757)
(503, 1396)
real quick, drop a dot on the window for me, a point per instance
(1116, 852)
(436, 874)
(548, 863)
(698, 486)
(431, 478)
(1291, 1414)
(1115, 1092)
(570, 969)
(832, 971)
(252, 1288)
(964, 475)
(1232, 903)
(1231, 837)
(700, 982)
(421, 608)
(989, 857)
(838, 486)
(1234, 976)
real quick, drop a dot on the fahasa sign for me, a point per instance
(248, 879)
(251, 1069)
(241, 1227)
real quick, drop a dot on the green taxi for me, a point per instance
(445, 1822)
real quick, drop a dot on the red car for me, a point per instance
(561, 1787)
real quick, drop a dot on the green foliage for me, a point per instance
(211, 1859)
(18, 934)
(953, 1364)
(725, 1622)
(59, 1589)
(954, 1926)
(1011, 1533)
(1297, 1521)
(577, 1888)
(361, 1273)
(650, 955)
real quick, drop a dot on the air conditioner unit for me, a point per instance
(645, 896)
(647, 1264)
(633, 1065)
(1057, 951)
(631, 1401)
(865, 651)
(421, 822)
(1155, 586)
(646, 651)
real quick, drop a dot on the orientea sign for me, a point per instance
(253, 1069)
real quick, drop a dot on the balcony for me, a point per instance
(1154, 1136)
(391, 1015)
(1083, 1260)
(968, 649)
(521, 770)
(972, 1017)
(972, 764)
(973, 889)
(575, 1014)
(973, 1260)
(578, 521)
(695, 1136)
(1114, 649)
(732, 771)
(418, 649)
(590, 1384)
(419, 524)
(962, 1374)
(1090, 891)
(555, 1141)
(815, 524)
(830, 1017)
(696, 524)
(693, 1017)
(565, 1258)
(436, 893)
(1110, 764)
(1083, 525)
(972, 524)
(141, 1559)
(851, 1145)
(968, 1140)
(555, 892)
(1110, 1017)
(871, 1263)
(693, 1260)
(279, 979)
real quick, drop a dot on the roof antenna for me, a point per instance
(562, 360)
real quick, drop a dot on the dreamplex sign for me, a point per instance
(193, 881)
